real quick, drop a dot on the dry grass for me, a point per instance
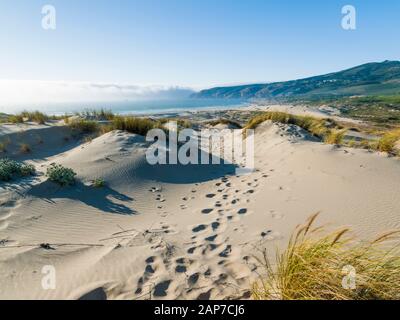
(335, 137)
(320, 128)
(135, 125)
(313, 267)
(387, 143)
(224, 121)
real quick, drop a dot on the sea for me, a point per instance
(136, 107)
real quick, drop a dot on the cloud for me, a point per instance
(21, 92)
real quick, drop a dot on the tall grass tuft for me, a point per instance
(84, 126)
(335, 137)
(135, 125)
(36, 116)
(314, 266)
(387, 143)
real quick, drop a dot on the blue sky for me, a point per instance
(195, 43)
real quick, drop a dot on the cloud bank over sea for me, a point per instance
(14, 92)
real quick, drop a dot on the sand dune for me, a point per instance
(180, 232)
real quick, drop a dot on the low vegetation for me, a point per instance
(321, 128)
(98, 183)
(84, 126)
(4, 144)
(61, 175)
(36, 116)
(96, 114)
(387, 143)
(226, 122)
(10, 169)
(24, 148)
(135, 125)
(335, 137)
(316, 266)
(16, 119)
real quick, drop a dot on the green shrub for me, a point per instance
(10, 168)
(61, 175)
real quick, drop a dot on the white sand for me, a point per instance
(193, 236)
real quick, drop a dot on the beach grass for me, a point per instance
(331, 266)
(320, 128)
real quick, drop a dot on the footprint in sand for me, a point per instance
(161, 289)
(199, 228)
(206, 211)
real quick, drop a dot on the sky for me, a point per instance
(184, 43)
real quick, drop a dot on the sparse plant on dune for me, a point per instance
(61, 175)
(4, 144)
(335, 137)
(10, 168)
(25, 148)
(388, 141)
(98, 183)
(314, 266)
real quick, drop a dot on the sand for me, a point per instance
(177, 232)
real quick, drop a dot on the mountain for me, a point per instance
(367, 79)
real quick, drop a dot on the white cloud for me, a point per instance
(14, 92)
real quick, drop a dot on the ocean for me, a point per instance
(133, 107)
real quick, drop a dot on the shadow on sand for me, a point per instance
(99, 198)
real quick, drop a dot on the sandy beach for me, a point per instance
(175, 231)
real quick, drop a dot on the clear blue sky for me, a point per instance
(192, 42)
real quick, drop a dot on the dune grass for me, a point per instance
(387, 143)
(335, 137)
(36, 116)
(316, 266)
(16, 119)
(97, 114)
(10, 168)
(320, 128)
(84, 126)
(224, 121)
(135, 125)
